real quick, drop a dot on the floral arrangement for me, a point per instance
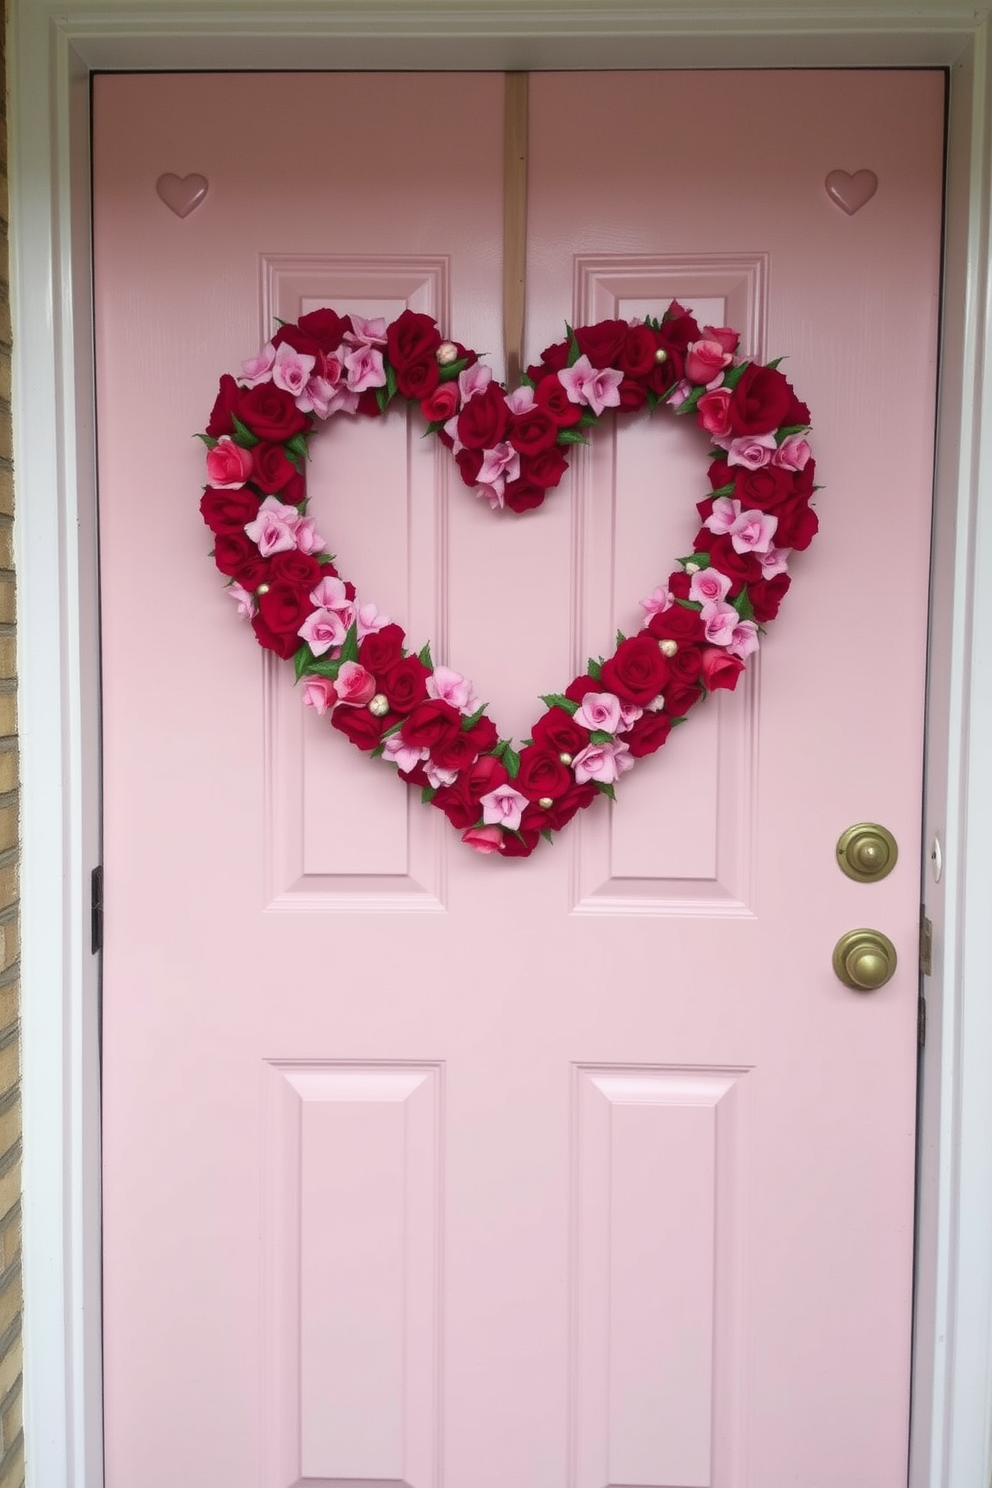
(699, 626)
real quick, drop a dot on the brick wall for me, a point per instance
(11, 1436)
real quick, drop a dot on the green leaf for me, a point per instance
(526, 381)
(682, 718)
(607, 790)
(393, 730)
(378, 752)
(729, 488)
(382, 398)
(559, 700)
(600, 736)
(325, 557)
(547, 834)
(742, 604)
(324, 667)
(511, 760)
(243, 435)
(433, 426)
(300, 659)
(451, 371)
(701, 560)
(594, 668)
(571, 436)
(689, 604)
(689, 404)
(573, 349)
(349, 650)
(427, 794)
(424, 657)
(781, 435)
(733, 375)
(775, 363)
(297, 447)
(620, 639)
(470, 722)
(587, 418)
(653, 400)
(390, 382)
(208, 440)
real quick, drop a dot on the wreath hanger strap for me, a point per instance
(514, 220)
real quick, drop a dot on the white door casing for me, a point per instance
(52, 50)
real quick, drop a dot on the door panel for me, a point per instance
(578, 1170)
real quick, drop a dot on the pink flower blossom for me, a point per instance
(588, 385)
(354, 684)
(744, 639)
(708, 586)
(369, 620)
(364, 369)
(291, 370)
(244, 600)
(484, 839)
(321, 630)
(330, 594)
(712, 413)
(629, 714)
(319, 694)
(259, 368)
(750, 531)
(657, 602)
(500, 464)
(705, 360)
(728, 338)
(474, 379)
(274, 529)
(792, 453)
(602, 762)
(398, 752)
(679, 393)
(451, 687)
(599, 710)
(719, 620)
(520, 400)
(774, 561)
(367, 331)
(751, 450)
(504, 805)
(228, 465)
(438, 776)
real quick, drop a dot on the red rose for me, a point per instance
(484, 419)
(228, 511)
(560, 813)
(220, 415)
(632, 396)
(405, 684)
(274, 471)
(553, 359)
(419, 379)
(542, 773)
(430, 723)
(284, 608)
(360, 726)
(382, 649)
(459, 805)
(296, 568)
(483, 735)
(284, 644)
(519, 846)
(232, 551)
(521, 496)
(368, 404)
(720, 670)
(410, 339)
(270, 412)
(685, 665)
(552, 398)
(461, 749)
(557, 730)
(797, 524)
(764, 489)
(577, 689)
(637, 354)
(441, 404)
(680, 697)
(676, 624)
(545, 469)
(637, 671)
(469, 462)
(254, 573)
(766, 596)
(326, 328)
(648, 734)
(741, 568)
(604, 342)
(487, 774)
(760, 402)
(533, 431)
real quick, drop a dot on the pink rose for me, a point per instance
(705, 360)
(354, 684)
(319, 694)
(442, 404)
(711, 413)
(484, 839)
(709, 586)
(719, 669)
(602, 762)
(599, 711)
(728, 338)
(228, 465)
(791, 454)
(751, 450)
(503, 805)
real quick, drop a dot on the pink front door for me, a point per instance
(423, 1168)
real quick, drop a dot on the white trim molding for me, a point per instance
(54, 46)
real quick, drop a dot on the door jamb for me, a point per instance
(52, 50)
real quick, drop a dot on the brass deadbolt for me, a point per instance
(867, 852)
(864, 960)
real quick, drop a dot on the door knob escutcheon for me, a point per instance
(867, 852)
(864, 960)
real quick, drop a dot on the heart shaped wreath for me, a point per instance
(699, 627)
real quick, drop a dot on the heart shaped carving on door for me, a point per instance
(699, 626)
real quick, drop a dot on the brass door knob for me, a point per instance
(867, 852)
(864, 959)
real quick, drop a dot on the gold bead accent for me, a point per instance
(379, 705)
(566, 759)
(668, 648)
(661, 355)
(545, 802)
(262, 589)
(692, 568)
(447, 353)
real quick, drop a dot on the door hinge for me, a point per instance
(926, 944)
(96, 909)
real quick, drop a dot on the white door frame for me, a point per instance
(54, 45)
